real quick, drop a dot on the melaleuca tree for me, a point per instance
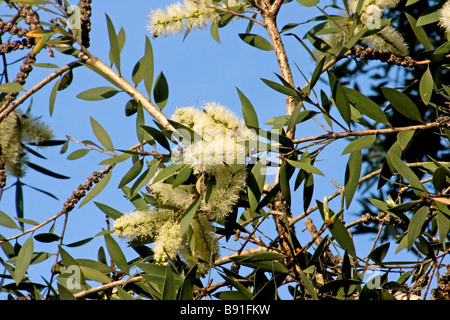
(199, 179)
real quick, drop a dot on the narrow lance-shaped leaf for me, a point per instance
(406, 173)
(53, 97)
(359, 144)
(426, 86)
(315, 76)
(7, 221)
(366, 106)
(116, 253)
(340, 98)
(23, 260)
(114, 53)
(420, 33)
(352, 175)
(248, 111)
(161, 91)
(402, 103)
(342, 237)
(110, 212)
(102, 135)
(256, 41)
(415, 226)
(99, 93)
(132, 173)
(96, 189)
(189, 215)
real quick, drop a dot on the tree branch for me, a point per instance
(7, 108)
(104, 70)
(440, 122)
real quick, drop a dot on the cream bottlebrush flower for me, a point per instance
(15, 130)
(141, 224)
(204, 245)
(192, 14)
(180, 197)
(383, 4)
(444, 16)
(388, 39)
(228, 185)
(168, 242)
(222, 137)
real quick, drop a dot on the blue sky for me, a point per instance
(198, 69)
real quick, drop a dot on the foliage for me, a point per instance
(199, 179)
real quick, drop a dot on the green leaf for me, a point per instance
(116, 253)
(65, 81)
(406, 173)
(415, 226)
(7, 221)
(168, 171)
(145, 177)
(110, 212)
(123, 294)
(342, 237)
(46, 237)
(340, 98)
(359, 144)
(308, 3)
(158, 136)
(352, 175)
(181, 177)
(404, 137)
(215, 30)
(102, 135)
(420, 33)
(284, 183)
(378, 254)
(188, 215)
(144, 68)
(315, 76)
(249, 113)
(443, 224)
(46, 171)
(287, 90)
(426, 86)
(303, 165)
(77, 154)
(11, 87)
(116, 159)
(96, 189)
(256, 41)
(23, 260)
(402, 103)
(161, 91)
(131, 107)
(186, 290)
(114, 53)
(255, 184)
(246, 294)
(53, 97)
(366, 106)
(132, 173)
(440, 179)
(430, 15)
(169, 291)
(99, 93)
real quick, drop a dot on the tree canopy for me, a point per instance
(226, 205)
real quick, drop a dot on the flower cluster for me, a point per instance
(16, 130)
(444, 16)
(192, 14)
(388, 39)
(212, 159)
